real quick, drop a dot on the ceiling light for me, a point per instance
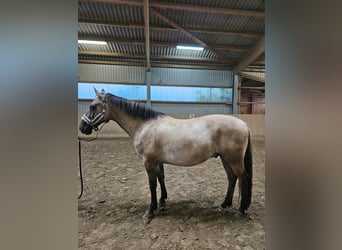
(93, 42)
(189, 47)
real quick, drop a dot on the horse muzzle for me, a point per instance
(85, 128)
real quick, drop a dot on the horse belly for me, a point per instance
(187, 154)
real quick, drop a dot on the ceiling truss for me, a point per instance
(250, 55)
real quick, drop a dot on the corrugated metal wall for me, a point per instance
(192, 77)
(184, 109)
(163, 77)
(83, 106)
(111, 73)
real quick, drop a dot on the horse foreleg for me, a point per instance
(231, 185)
(161, 179)
(152, 178)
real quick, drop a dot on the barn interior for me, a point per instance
(223, 65)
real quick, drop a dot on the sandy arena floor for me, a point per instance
(116, 195)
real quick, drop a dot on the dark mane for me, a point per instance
(134, 108)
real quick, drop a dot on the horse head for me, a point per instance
(96, 115)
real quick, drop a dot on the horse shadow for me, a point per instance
(195, 210)
(185, 210)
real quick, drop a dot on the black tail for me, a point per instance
(248, 162)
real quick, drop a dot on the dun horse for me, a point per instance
(160, 139)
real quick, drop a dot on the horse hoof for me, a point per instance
(221, 209)
(224, 205)
(147, 221)
(241, 214)
(148, 217)
(162, 205)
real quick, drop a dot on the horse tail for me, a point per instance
(248, 162)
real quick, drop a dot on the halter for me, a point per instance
(96, 119)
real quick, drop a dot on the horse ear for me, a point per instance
(97, 92)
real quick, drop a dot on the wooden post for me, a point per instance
(148, 88)
(236, 84)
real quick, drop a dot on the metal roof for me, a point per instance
(232, 33)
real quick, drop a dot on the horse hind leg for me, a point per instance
(246, 177)
(238, 170)
(245, 193)
(231, 184)
(244, 185)
(161, 179)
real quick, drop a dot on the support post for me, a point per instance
(236, 85)
(148, 88)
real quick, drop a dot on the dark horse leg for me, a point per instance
(246, 178)
(161, 179)
(152, 178)
(245, 185)
(231, 184)
(245, 195)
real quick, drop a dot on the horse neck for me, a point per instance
(125, 120)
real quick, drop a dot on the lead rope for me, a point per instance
(80, 156)
(80, 166)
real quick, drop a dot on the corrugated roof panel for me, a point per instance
(125, 14)
(226, 40)
(114, 48)
(231, 54)
(111, 32)
(244, 24)
(168, 35)
(198, 20)
(258, 74)
(110, 12)
(169, 51)
(93, 47)
(129, 49)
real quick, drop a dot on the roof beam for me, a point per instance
(251, 55)
(164, 28)
(111, 62)
(252, 87)
(112, 54)
(261, 70)
(258, 62)
(142, 56)
(225, 32)
(205, 9)
(158, 43)
(187, 7)
(162, 65)
(122, 2)
(187, 33)
(147, 34)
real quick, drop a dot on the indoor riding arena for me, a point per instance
(180, 59)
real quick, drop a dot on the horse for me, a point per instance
(161, 139)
